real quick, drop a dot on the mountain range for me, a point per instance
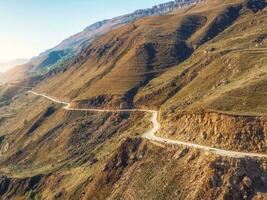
(93, 31)
(77, 42)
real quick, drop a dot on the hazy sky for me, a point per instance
(29, 27)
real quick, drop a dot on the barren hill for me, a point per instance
(203, 68)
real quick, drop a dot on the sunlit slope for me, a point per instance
(226, 74)
(125, 59)
(208, 57)
(120, 63)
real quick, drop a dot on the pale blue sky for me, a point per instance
(29, 27)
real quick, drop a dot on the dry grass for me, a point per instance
(191, 60)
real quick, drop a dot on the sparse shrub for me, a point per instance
(25, 122)
(32, 195)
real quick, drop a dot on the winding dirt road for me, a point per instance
(150, 134)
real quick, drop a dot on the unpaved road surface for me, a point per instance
(150, 134)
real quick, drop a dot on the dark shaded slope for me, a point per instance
(53, 58)
(223, 20)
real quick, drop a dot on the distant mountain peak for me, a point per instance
(81, 40)
(101, 27)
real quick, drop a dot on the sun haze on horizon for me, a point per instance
(30, 27)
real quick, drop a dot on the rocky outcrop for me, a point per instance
(160, 9)
(164, 8)
(14, 187)
(240, 133)
(129, 152)
(141, 170)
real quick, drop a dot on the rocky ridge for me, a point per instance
(101, 27)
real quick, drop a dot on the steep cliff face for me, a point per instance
(10, 187)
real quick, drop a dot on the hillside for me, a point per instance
(74, 44)
(202, 67)
(129, 57)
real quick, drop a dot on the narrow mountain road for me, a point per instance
(150, 134)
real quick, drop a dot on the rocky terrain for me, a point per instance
(203, 67)
(219, 130)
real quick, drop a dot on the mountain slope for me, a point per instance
(194, 61)
(228, 67)
(77, 42)
(203, 67)
(129, 57)
(97, 29)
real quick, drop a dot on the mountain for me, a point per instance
(93, 31)
(201, 69)
(7, 65)
(38, 66)
(77, 42)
